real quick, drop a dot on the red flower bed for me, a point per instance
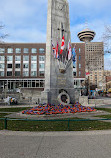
(60, 109)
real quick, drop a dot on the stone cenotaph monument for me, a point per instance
(59, 80)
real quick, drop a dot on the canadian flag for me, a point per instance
(69, 51)
(62, 45)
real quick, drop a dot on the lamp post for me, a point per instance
(5, 92)
(20, 91)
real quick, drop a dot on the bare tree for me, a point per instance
(2, 35)
(107, 39)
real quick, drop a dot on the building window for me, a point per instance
(26, 66)
(79, 50)
(9, 73)
(34, 50)
(1, 73)
(17, 58)
(79, 57)
(17, 66)
(41, 58)
(41, 65)
(41, 73)
(74, 73)
(37, 84)
(75, 83)
(2, 58)
(41, 83)
(33, 58)
(9, 66)
(9, 58)
(79, 66)
(41, 50)
(33, 73)
(2, 66)
(10, 50)
(25, 73)
(26, 50)
(25, 58)
(79, 73)
(2, 50)
(33, 83)
(17, 50)
(34, 66)
(17, 73)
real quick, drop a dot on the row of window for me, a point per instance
(25, 50)
(12, 85)
(19, 50)
(25, 58)
(25, 66)
(25, 73)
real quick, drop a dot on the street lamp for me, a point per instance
(20, 91)
(5, 92)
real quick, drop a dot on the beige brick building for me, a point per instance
(94, 59)
(94, 56)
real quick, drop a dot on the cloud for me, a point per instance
(26, 20)
(27, 36)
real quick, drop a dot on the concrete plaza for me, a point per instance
(88, 144)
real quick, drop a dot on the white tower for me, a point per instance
(86, 35)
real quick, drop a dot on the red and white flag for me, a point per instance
(62, 45)
(57, 48)
(87, 73)
(69, 51)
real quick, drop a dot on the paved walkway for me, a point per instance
(89, 144)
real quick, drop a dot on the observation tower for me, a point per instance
(86, 35)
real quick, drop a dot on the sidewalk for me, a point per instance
(93, 144)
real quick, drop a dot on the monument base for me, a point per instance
(57, 96)
(44, 97)
(83, 100)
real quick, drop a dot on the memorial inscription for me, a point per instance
(61, 80)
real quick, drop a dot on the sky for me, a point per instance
(26, 20)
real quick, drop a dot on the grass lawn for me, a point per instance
(55, 125)
(104, 109)
(60, 125)
(108, 116)
(14, 109)
(105, 116)
(3, 115)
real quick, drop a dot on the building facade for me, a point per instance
(23, 65)
(94, 59)
(94, 64)
(108, 83)
(79, 65)
(94, 56)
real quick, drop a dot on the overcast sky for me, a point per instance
(26, 20)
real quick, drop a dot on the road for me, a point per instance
(88, 144)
